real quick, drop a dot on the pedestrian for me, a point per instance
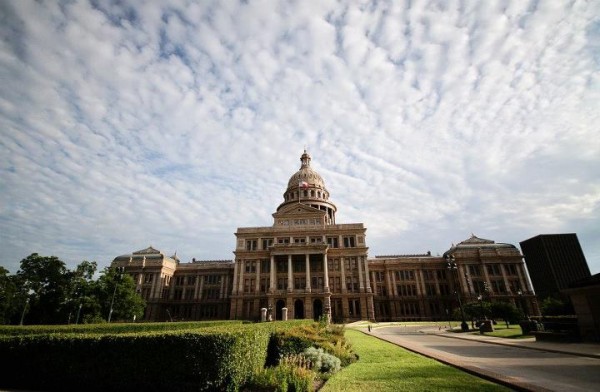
(369, 327)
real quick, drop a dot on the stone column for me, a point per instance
(290, 287)
(394, 287)
(343, 274)
(222, 288)
(368, 282)
(241, 280)
(196, 287)
(388, 281)
(257, 283)
(308, 289)
(325, 274)
(361, 284)
(505, 279)
(201, 289)
(284, 314)
(272, 283)
(235, 277)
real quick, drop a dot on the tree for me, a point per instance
(82, 302)
(506, 311)
(118, 289)
(44, 283)
(8, 297)
(477, 309)
(556, 307)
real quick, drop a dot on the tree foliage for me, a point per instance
(44, 291)
(556, 307)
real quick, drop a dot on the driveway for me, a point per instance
(520, 367)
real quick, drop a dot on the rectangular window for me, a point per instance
(333, 264)
(282, 283)
(316, 240)
(148, 278)
(354, 307)
(511, 269)
(350, 265)
(429, 274)
(284, 240)
(441, 274)
(430, 289)
(265, 266)
(266, 243)
(334, 284)
(474, 270)
(379, 276)
(251, 244)
(498, 286)
(299, 266)
(249, 285)
(250, 267)
(265, 284)
(493, 269)
(332, 242)
(299, 240)
(299, 283)
(352, 284)
(349, 242)
(405, 275)
(189, 294)
(316, 282)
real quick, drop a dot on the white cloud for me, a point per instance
(124, 125)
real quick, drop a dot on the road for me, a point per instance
(523, 368)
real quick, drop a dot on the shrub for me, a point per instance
(291, 375)
(322, 361)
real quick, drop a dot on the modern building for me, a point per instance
(554, 261)
(307, 265)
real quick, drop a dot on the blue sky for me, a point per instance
(128, 124)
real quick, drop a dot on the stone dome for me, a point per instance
(306, 174)
(306, 186)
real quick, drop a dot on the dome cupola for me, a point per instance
(306, 186)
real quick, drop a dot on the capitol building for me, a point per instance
(306, 265)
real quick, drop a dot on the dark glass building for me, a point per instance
(554, 261)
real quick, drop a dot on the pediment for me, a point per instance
(299, 215)
(148, 251)
(297, 211)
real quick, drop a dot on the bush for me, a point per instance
(322, 361)
(208, 359)
(291, 375)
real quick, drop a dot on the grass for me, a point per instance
(386, 367)
(512, 332)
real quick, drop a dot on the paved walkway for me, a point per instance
(522, 364)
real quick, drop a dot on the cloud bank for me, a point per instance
(128, 124)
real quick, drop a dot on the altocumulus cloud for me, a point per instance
(125, 124)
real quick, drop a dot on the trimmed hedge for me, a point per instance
(218, 358)
(14, 330)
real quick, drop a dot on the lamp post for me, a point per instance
(480, 299)
(451, 265)
(118, 274)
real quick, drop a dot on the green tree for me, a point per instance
(556, 307)
(477, 309)
(44, 282)
(118, 289)
(506, 311)
(82, 303)
(8, 296)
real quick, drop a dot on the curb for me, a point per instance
(500, 343)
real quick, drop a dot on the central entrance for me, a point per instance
(298, 309)
(317, 309)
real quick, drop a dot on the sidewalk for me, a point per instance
(581, 349)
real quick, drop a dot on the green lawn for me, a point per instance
(512, 332)
(386, 367)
